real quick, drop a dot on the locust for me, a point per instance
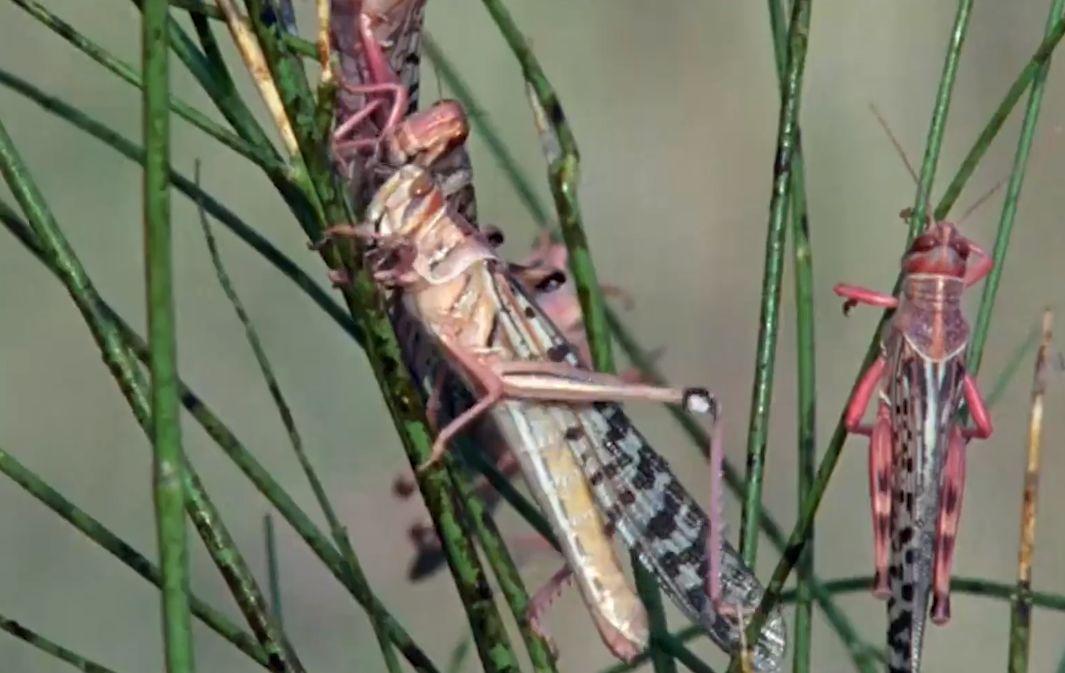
(472, 333)
(917, 442)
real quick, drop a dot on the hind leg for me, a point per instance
(947, 525)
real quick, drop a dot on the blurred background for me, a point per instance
(675, 108)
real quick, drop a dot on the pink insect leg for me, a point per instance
(977, 410)
(976, 272)
(947, 525)
(859, 295)
(950, 499)
(879, 465)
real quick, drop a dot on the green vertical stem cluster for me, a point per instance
(768, 325)
(1013, 195)
(50, 647)
(806, 369)
(56, 252)
(563, 170)
(798, 537)
(165, 429)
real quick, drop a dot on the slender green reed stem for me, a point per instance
(119, 336)
(128, 74)
(563, 159)
(1021, 604)
(939, 119)
(273, 569)
(805, 366)
(807, 403)
(797, 539)
(45, 645)
(1009, 206)
(168, 461)
(340, 538)
(768, 324)
(1027, 75)
(121, 550)
(187, 186)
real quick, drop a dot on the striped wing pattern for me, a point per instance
(655, 516)
(924, 395)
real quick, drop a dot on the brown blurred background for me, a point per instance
(675, 108)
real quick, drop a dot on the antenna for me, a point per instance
(908, 212)
(980, 201)
(894, 141)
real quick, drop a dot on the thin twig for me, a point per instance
(110, 322)
(1021, 612)
(105, 538)
(273, 568)
(45, 645)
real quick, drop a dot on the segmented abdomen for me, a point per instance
(924, 396)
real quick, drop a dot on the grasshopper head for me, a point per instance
(940, 249)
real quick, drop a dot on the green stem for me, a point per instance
(273, 568)
(805, 360)
(798, 537)
(168, 461)
(187, 186)
(121, 550)
(768, 325)
(1035, 64)
(128, 74)
(56, 650)
(938, 126)
(115, 336)
(1013, 195)
(563, 170)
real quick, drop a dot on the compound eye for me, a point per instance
(923, 243)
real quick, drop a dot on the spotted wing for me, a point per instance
(654, 514)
